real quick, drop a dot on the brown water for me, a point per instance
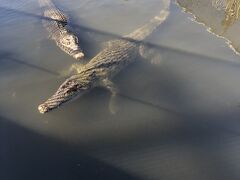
(177, 119)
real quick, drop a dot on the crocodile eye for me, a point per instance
(68, 43)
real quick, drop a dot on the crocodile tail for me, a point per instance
(51, 11)
(148, 28)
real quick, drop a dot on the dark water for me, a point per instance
(177, 119)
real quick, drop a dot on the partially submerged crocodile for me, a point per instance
(56, 25)
(104, 66)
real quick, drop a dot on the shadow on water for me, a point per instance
(8, 56)
(201, 145)
(27, 155)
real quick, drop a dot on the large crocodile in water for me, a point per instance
(56, 24)
(104, 66)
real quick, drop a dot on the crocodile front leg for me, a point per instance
(109, 85)
(150, 54)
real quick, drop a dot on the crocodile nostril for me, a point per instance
(43, 108)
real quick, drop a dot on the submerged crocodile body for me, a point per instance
(104, 66)
(56, 25)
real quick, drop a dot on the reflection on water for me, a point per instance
(177, 120)
(220, 16)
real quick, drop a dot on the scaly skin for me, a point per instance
(56, 25)
(103, 67)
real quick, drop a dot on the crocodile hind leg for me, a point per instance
(108, 84)
(151, 54)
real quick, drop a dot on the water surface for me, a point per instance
(177, 119)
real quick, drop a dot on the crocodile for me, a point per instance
(56, 24)
(100, 70)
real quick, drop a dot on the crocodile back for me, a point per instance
(119, 54)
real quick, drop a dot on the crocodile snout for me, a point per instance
(43, 108)
(78, 56)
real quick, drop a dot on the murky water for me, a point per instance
(177, 119)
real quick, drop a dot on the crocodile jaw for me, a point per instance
(51, 105)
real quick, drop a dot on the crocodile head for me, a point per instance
(68, 42)
(71, 89)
